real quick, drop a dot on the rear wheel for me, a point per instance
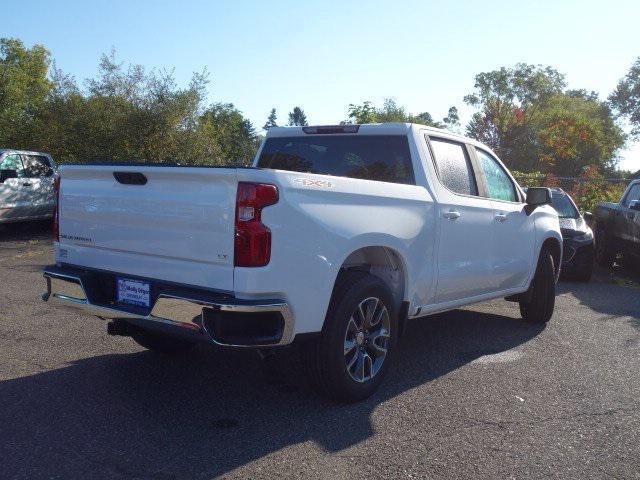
(161, 344)
(351, 357)
(539, 308)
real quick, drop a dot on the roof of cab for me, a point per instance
(369, 129)
(23, 152)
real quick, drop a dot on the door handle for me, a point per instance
(26, 184)
(501, 217)
(452, 215)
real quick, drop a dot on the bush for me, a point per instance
(587, 190)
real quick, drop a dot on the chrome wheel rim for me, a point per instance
(366, 340)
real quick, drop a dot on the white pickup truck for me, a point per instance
(334, 238)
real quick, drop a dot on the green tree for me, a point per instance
(390, 112)
(506, 99)
(124, 113)
(271, 120)
(233, 135)
(365, 113)
(297, 117)
(452, 120)
(573, 132)
(532, 123)
(625, 99)
(24, 87)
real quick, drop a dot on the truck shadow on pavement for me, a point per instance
(25, 231)
(140, 415)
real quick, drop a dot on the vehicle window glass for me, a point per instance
(385, 158)
(36, 166)
(563, 205)
(634, 194)
(12, 161)
(499, 185)
(454, 167)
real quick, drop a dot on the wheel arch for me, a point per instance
(555, 248)
(383, 262)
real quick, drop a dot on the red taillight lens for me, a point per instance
(56, 209)
(253, 239)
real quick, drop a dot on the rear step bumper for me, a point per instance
(221, 319)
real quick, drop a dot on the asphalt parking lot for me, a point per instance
(474, 393)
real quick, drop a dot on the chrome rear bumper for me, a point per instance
(182, 312)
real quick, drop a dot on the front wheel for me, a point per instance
(539, 307)
(351, 357)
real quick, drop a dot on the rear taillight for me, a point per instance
(253, 239)
(56, 209)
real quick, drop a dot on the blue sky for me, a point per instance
(324, 55)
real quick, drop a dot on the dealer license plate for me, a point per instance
(133, 292)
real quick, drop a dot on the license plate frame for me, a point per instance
(130, 291)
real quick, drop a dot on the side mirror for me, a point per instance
(7, 174)
(635, 205)
(588, 218)
(537, 196)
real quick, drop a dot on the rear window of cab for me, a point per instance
(384, 158)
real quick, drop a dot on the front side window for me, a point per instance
(385, 158)
(454, 167)
(499, 185)
(36, 166)
(12, 161)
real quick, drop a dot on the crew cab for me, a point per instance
(617, 227)
(333, 239)
(26, 185)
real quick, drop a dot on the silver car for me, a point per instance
(26, 185)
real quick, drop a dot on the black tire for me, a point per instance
(585, 274)
(605, 255)
(325, 357)
(165, 345)
(543, 296)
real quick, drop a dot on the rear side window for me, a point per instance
(384, 158)
(36, 166)
(454, 166)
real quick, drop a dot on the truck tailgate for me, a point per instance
(178, 226)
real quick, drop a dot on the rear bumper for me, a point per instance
(204, 315)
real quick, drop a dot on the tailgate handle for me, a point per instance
(130, 178)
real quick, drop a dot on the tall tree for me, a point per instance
(532, 123)
(625, 99)
(389, 112)
(24, 87)
(233, 134)
(297, 117)
(452, 120)
(271, 120)
(124, 113)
